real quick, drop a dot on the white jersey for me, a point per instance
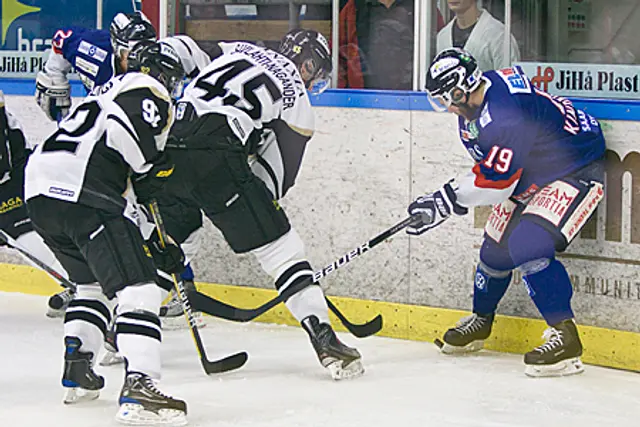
(119, 128)
(265, 103)
(192, 57)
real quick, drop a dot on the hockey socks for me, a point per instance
(489, 287)
(532, 249)
(550, 289)
(88, 317)
(138, 330)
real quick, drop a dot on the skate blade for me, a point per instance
(352, 370)
(180, 322)
(135, 415)
(472, 347)
(561, 369)
(110, 358)
(75, 395)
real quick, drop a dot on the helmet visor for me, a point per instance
(440, 103)
(319, 83)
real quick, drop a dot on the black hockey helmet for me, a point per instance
(160, 61)
(128, 29)
(309, 50)
(451, 78)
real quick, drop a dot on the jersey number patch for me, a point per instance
(73, 127)
(150, 112)
(249, 88)
(499, 159)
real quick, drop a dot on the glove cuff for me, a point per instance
(449, 190)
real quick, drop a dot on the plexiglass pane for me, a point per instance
(580, 48)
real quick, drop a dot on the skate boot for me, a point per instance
(172, 315)
(59, 302)
(81, 382)
(559, 355)
(468, 335)
(342, 362)
(142, 404)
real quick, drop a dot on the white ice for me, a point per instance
(405, 384)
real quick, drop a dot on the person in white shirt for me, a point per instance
(476, 31)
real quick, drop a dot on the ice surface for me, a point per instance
(283, 385)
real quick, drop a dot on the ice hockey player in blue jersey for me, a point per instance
(94, 54)
(540, 162)
(98, 55)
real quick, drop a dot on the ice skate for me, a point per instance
(142, 404)
(468, 335)
(59, 302)
(79, 379)
(559, 355)
(172, 315)
(342, 361)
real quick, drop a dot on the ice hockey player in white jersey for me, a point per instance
(252, 103)
(14, 218)
(74, 186)
(98, 55)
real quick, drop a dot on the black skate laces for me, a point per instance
(470, 324)
(554, 339)
(151, 385)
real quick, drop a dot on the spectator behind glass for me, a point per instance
(479, 33)
(376, 44)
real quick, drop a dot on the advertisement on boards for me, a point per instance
(28, 25)
(585, 80)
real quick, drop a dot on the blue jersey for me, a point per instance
(89, 52)
(522, 139)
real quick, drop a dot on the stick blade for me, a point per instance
(372, 327)
(229, 363)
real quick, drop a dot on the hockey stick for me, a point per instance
(10, 242)
(229, 363)
(216, 308)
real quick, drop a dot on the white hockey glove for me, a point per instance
(53, 95)
(433, 209)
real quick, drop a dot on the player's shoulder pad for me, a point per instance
(145, 101)
(71, 41)
(193, 58)
(236, 47)
(134, 81)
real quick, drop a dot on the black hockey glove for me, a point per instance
(150, 184)
(433, 209)
(170, 258)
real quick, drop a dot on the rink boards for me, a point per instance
(360, 171)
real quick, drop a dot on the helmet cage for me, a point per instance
(128, 30)
(451, 79)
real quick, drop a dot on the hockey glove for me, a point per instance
(169, 258)
(433, 209)
(53, 96)
(149, 185)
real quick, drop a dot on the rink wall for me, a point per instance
(361, 169)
